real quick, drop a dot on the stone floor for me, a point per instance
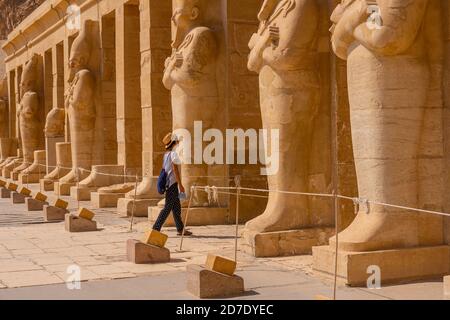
(34, 257)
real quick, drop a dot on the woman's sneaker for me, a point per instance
(187, 233)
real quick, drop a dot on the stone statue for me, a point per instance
(190, 74)
(389, 73)
(80, 106)
(54, 125)
(28, 114)
(284, 53)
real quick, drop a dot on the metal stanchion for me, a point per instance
(134, 204)
(237, 181)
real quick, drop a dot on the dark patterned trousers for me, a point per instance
(172, 204)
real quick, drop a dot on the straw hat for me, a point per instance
(169, 139)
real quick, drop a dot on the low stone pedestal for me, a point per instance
(63, 189)
(105, 200)
(34, 205)
(5, 193)
(47, 184)
(205, 283)
(447, 286)
(77, 224)
(395, 265)
(18, 198)
(54, 214)
(198, 216)
(14, 175)
(81, 193)
(125, 206)
(284, 243)
(30, 178)
(140, 253)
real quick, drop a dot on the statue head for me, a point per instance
(187, 14)
(29, 75)
(80, 52)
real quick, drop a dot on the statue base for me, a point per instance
(5, 193)
(18, 198)
(125, 206)
(14, 175)
(34, 205)
(81, 193)
(54, 214)
(47, 184)
(198, 216)
(77, 224)
(63, 189)
(204, 283)
(285, 243)
(398, 265)
(105, 200)
(30, 178)
(140, 253)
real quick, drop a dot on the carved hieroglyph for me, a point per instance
(388, 81)
(190, 74)
(80, 106)
(283, 52)
(28, 113)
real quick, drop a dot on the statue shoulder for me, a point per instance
(85, 74)
(203, 33)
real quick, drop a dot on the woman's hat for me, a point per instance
(169, 139)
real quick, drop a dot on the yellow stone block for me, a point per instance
(220, 264)
(155, 238)
(40, 197)
(321, 297)
(2, 183)
(59, 203)
(86, 214)
(25, 191)
(12, 186)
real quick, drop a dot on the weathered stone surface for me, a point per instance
(86, 214)
(81, 193)
(205, 283)
(285, 243)
(197, 216)
(63, 189)
(5, 193)
(125, 206)
(52, 213)
(35, 205)
(77, 224)
(140, 253)
(155, 238)
(395, 265)
(18, 198)
(105, 200)
(40, 197)
(220, 264)
(59, 203)
(47, 184)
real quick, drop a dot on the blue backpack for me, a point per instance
(162, 179)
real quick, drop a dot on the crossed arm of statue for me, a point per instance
(82, 96)
(187, 69)
(400, 21)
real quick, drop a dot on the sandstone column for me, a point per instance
(394, 64)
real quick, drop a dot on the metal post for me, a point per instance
(134, 203)
(237, 181)
(187, 215)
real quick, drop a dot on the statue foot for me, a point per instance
(22, 167)
(118, 188)
(71, 177)
(145, 190)
(56, 174)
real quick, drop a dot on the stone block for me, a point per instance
(59, 203)
(63, 189)
(140, 253)
(24, 178)
(47, 185)
(447, 286)
(198, 216)
(25, 191)
(52, 213)
(5, 193)
(220, 264)
(81, 193)
(125, 206)
(284, 243)
(35, 205)
(2, 183)
(17, 198)
(14, 175)
(155, 238)
(76, 224)
(396, 266)
(205, 283)
(40, 197)
(86, 214)
(12, 186)
(105, 200)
